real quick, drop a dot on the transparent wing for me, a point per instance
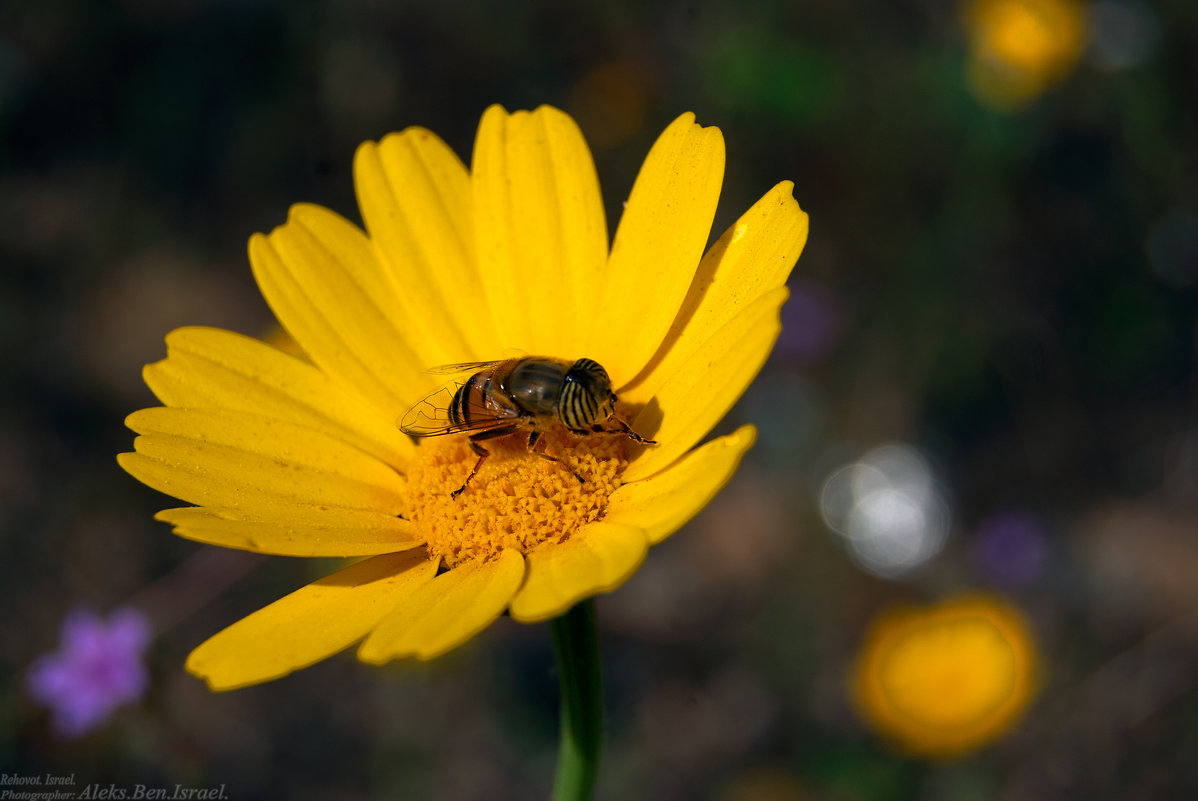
(430, 417)
(464, 367)
(510, 355)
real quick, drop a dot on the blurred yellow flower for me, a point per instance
(302, 456)
(946, 679)
(1019, 49)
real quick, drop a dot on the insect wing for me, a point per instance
(464, 367)
(431, 416)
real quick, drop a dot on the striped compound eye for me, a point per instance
(586, 397)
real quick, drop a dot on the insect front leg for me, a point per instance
(482, 452)
(536, 446)
(623, 428)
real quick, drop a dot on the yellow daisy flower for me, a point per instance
(303, 456)
(946, 679)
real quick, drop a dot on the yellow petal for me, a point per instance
(657, 248)
(703, 389)
(414, 193)
(447, 611)
(225, 458)
(662, 503)
(542, 234)
(215, 369)
(597, 558)
(323, 280)
(294, 529)
(310, 624)
(752, 258)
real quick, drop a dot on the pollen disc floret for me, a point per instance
(517, 500)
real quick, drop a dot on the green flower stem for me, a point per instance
(577, 648)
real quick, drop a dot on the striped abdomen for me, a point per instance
(474, 402)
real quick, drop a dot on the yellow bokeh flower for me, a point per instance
(302, 457)
(946, 679)
(1022, 48)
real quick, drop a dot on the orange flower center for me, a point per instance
(517, 499)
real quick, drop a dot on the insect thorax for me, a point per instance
(536, 385)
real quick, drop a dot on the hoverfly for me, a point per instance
(523, 394)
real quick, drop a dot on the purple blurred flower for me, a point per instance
(96, 669)
(810, 322)
(1010, 547)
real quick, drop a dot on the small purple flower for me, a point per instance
(810, 322)
(1010, 547)
(96, 669)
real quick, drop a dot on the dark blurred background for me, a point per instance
(995, 312)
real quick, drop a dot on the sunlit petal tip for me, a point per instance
(687, 124)
(781, 213)
(183, 336)
(300, 212)
(312, 226)
(698, 146)
(752, 258)
(684, 120)
(310, 624)
(785, 190)
(368, 158)
(295, 530)
(210, 368)
(539, 218)
(136, 421)
(554, 115)
(124, 460)
(149, 375)
(743, 438)
(368, 153)
(412, 135)
(229, 458)
(196, 668)
(257, 248)
(324, 279)
(666, 223)
(494, 113)
(149, 370)
(262, 251)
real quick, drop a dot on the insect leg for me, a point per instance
(623, 429)
(536, 446)
(482, 452)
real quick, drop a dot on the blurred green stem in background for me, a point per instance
(576, 646)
